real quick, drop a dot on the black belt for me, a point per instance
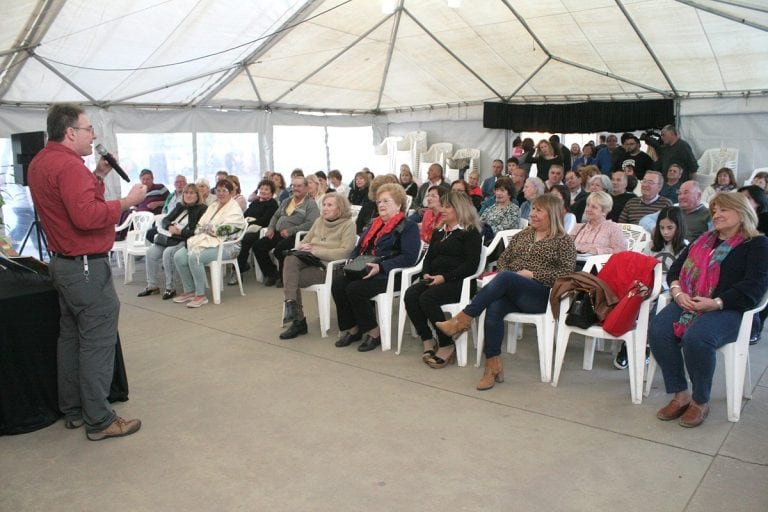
(90, 256)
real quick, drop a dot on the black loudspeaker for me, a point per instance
(25, 146)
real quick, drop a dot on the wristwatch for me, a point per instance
(719, 302)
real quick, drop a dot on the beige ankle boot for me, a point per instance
(456, 324)
(493, 373)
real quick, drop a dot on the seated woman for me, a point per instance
(406, 181)
(313, 190)
(504, 213)
(181, 223)
(758, 200)
(395, 241)
(368, 211)
(433, 213)
(668, 239)
(528, 268)
(331, 237)
(453, 254)
(281, 192)
(358, 194)
(220, 222)
(596, 183)
(569, 219)
(474, 190)
(205, 191)
(598, 235)
(712, 282)
(257, 216)
(463, 186)
(725, 181)
(532, 189)
(760, 179)
(237, 196)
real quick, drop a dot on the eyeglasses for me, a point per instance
(87, 128)
(222, 191)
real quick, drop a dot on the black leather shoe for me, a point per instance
(369, 344)
(297, 328)
(347, 339)
(279, 283)
(753, 339)
(169, 294)
(148, 291)
(270, 281)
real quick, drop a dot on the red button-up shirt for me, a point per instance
(70, 203)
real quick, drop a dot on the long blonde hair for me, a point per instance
(553, 205)
(736, 201)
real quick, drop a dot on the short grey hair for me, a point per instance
(605, 182)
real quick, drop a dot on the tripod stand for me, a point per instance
(39, 234)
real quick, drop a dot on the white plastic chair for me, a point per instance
(436, 154)
(637, 237)
(135, 241)
(408, 150)
(738, 376)
(462, 345)
(384, 300)
(217, 268)
(545, 335)
(712, 160)
(635, 339)
(452, 174)
(501, 237)
(119, 246)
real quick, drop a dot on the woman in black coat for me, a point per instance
(454, 253)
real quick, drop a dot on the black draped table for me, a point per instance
(29, 328)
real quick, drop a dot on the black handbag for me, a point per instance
(306, 257)
(166, 241)
(358, 267)
(581, 314)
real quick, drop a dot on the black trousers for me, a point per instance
(353, 301)
(423, 303)
(245, 250)
(261, 250)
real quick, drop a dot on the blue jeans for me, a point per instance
(191, 268)
(508, 292)
(158, 258)
(699, 345)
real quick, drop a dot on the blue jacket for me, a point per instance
(743, 274)
(397, 249)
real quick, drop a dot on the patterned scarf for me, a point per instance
(701, 272)
(378, 229)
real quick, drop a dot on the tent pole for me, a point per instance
(456, 57)
(647, 46)
(60, 75)
(390, 51)
(612, 75)
(725, 15)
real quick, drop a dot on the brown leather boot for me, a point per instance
(456, 324)
(493, 373)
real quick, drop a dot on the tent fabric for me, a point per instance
(349, 56)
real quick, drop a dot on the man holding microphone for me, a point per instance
(80, 226)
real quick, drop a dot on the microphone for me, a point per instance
(101, 150)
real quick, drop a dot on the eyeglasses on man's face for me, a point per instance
(86, 128)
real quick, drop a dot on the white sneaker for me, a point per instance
(197, 302)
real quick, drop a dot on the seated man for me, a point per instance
(696, 213)
(173, 199)
(156, 193)
(296, 213)
(649, 201)
(555, 176)
(673, 182)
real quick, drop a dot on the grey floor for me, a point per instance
(236, 419)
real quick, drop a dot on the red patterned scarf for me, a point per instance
(378, 229)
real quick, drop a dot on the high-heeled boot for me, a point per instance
(456, 324)
(493, 373)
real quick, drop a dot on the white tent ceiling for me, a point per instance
(346, 55)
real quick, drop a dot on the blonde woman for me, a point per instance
(529, 266)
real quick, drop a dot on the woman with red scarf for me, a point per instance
(395, 241)
(712, 282)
